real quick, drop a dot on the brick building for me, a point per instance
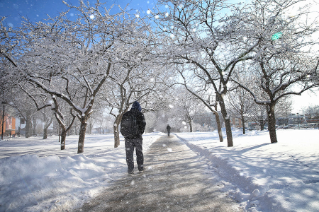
(8, 125)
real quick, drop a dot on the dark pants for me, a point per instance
(168, 132)
(130, 144)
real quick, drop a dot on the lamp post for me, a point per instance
(3, 109)
(298, 120)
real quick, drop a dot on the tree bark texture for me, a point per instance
(227, 123)
(63, 137)
(82, 135)
(45, 132)
(116, 135)
(190, 125)
(28, 126)
(34, 126)
(243, 124)
(116, 131)
(219, 127)
(272, 123)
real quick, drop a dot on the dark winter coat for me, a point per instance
(140, 121)
(168, 128)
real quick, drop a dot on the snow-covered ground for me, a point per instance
(264, 176)
(36, 176)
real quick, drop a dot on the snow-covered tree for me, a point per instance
(208, 37)
(283, 62)
(184, 107)
(71, 60)
(240, 105)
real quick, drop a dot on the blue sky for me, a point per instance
(37, 10)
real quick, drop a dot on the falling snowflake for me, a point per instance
(172, 36)
(92, 17)
(170, 106)
(157, 17)
(148, 11)
(137, 15)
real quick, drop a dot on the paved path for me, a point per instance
(174, 180)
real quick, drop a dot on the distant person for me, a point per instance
(168, 128)
(132, 127)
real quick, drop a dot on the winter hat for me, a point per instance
(137, 106)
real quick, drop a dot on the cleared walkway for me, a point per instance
(174, 180)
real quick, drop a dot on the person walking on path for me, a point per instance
(177, 179)
(168, 128)
(132, 127)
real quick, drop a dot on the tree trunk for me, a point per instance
(63, 137)
(28, 126)
(190, 125)
(219, 128)
(227, 123)
(262, 123)
(116, 135)
(243, 124)
(272, 123)
(116, 131)
(34, 126)
(90, 128)
(45, 132)
(68, 122)
(82, 135)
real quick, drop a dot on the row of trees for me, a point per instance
(76, 67)
(260, 47)
(105, 61)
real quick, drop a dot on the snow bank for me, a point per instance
(36, 176)
(264, 176)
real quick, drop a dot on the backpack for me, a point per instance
(129, 127)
